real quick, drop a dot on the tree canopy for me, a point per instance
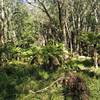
(42, 40)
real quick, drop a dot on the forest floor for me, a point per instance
(19, 79)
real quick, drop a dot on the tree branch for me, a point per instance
(46, 88)
(44, 9)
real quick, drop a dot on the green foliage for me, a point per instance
(51, 49)
(79, 63)
(22, 31)
(90, 38)
(43, 74)
(17, 79)
(93, 85)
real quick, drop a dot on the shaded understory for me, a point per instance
(17, 78)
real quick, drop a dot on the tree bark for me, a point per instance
(95, 57)
(62, 20)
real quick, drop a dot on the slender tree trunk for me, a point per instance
(65, 36)
(62, 20)
(95, 57)
(70, 38)
(96, 32)
(1, 28)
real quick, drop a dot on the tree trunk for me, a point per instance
(62, 18)
(1, 29)
(95, 57)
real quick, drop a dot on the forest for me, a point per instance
(49, 49)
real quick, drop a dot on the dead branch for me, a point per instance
(46, 88)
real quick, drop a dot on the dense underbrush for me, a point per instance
(33, 69)
(17, 79)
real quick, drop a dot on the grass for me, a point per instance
(17, 78)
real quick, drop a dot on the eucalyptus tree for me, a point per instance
(66, 20)
(55, 22)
